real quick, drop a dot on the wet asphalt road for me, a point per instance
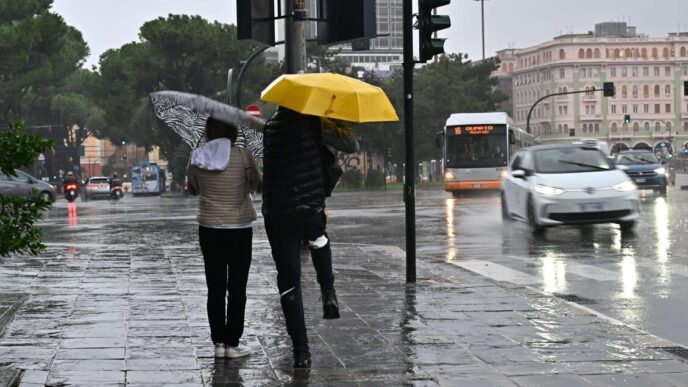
(641, 279)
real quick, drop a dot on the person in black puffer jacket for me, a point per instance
(293, 210)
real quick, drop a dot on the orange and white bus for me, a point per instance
(477, 149)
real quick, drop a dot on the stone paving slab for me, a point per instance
(137, 317)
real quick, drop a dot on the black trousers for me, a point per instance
(285, 237)
(227, 258)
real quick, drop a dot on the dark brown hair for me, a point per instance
(215, 129)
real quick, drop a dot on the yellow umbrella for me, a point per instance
(332, 96)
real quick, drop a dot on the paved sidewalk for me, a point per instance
(136, 316)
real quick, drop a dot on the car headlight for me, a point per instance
(448, 176)
(547, 190)
(625, 186)
(504, 173)
(660, 171)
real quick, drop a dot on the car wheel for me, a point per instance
(535, 228)
(46, 196)
(662, 191)
(627, 226)
(505, 209)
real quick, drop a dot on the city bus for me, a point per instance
(147, 179)
(477, 149)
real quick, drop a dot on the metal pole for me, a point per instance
(295, 40)
(241, 73)
(409, 180)
(482, 17)
(230, 72)
(552, 95)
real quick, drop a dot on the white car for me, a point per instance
(551, 185)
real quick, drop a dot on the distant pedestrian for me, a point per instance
(223, 175)
(293, 208)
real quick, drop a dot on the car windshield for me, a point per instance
(570, 160)
(99, 180)
(636, 158)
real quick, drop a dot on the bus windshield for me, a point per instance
(468, 147)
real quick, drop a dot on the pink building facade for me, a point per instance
(648, 74)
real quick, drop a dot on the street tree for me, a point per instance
(179, 52)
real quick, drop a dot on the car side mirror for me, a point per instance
(519, 174)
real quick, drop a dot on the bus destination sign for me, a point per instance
(475, 130)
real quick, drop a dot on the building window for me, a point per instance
(624, 72)
(656, 90)
(582, 72)
(581, 54)
(624, 109)
(597, 128)
(612, 72)
(635, 109)
(647, 127)
(636, 126)
(588, 53)
(656, 71)
(665, 52)
(562, 54)
(657, 126)
(655, 53)
(613, 109)
(627, 53)
(624, 92)
(646, 108)
(657, 110)
(597, 53)
(614, 127)
(667, 71)
(682, 52)
(685, 126)
(585, 128)
(646, 72)
(635, 71)
(646, 91)
(562, 73)
(667, 108)
(643, 52)
(667, 91)
(635, 91)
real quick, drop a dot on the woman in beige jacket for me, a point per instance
(223, 176)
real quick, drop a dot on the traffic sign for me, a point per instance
(253, 110)
(41, 157)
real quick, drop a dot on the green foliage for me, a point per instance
(453, 84)
(353, 178)
(180, 52)
(38, 50)
(17, 215)
(375, 179)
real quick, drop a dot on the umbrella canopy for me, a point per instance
(332, 96)
(186, 114)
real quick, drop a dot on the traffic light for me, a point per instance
(685, 88)
(347, 21)
(123, 141)
(608, 89)
(256, 21)
(627, 119)
(428, 24)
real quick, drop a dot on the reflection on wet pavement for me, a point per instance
(119, 298)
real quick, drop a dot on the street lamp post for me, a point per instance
(482, 23)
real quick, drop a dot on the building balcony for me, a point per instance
(621, 135)
(591, 117)
(665, 134)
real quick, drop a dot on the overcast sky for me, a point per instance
(508, 23)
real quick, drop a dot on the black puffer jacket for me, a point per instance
(292, 168)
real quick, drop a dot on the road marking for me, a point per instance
(497, 272)
(587, 271)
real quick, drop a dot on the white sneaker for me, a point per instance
(238, 351)
(220, 350)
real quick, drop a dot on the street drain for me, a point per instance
(676, 351)
(575, 298)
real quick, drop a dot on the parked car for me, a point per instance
(551, 185)
(23, 184)
(97, 187)
(645, 169)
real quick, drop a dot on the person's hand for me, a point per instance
(327, 215)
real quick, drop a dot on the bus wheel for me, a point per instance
(456, 194)
(505, 209)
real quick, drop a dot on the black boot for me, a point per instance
(302, 359)
(330, 305)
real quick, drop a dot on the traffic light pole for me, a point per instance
(295, 38)
(552, 95)
(409, 180)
